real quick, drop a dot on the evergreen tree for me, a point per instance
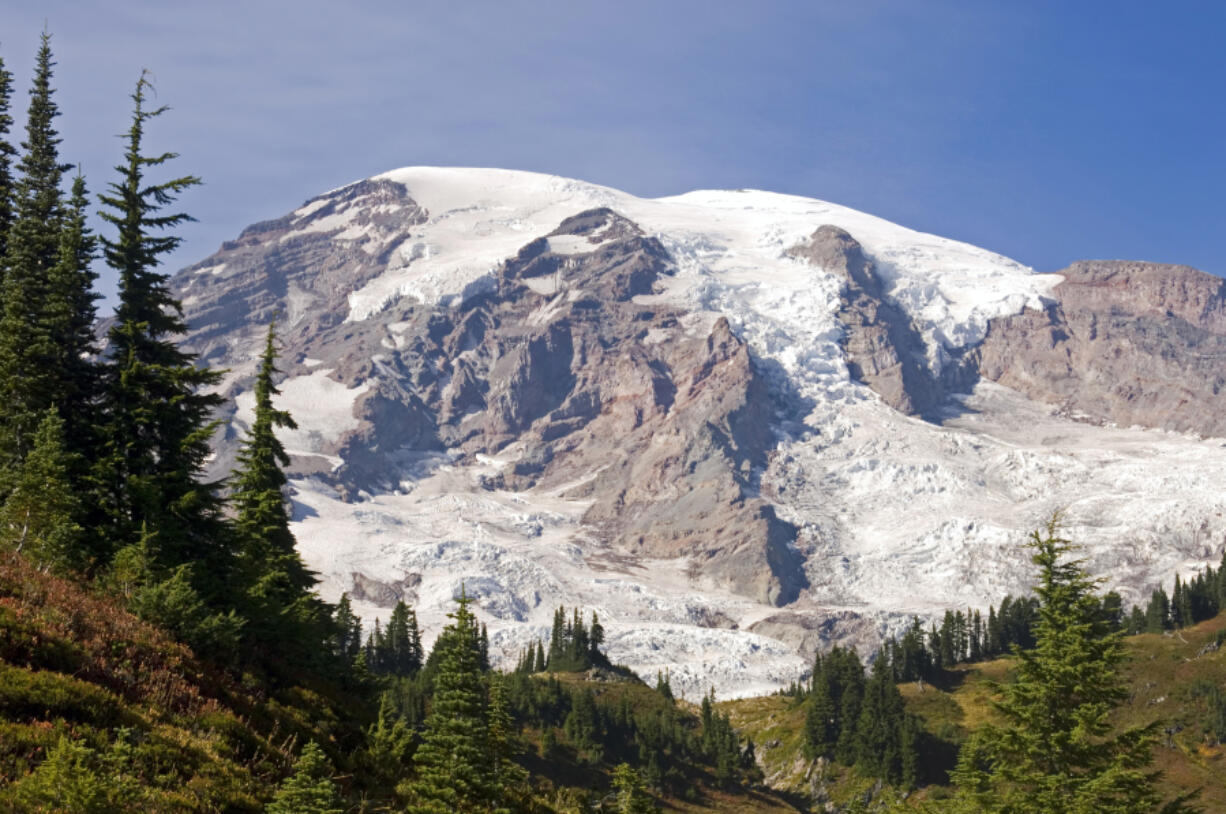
(309, 790)
(453, 760)
(39, 516)
(280, 604)
(347, 632)
(631, 797)
(1054, 750)
(402, 642)
(878, 730)
(1158, 612)
(157, 421)
(6, 162)
(28, 375)
(71, 319)
(389, 743)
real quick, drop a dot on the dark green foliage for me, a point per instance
(346, 632)
(632, 798)
(75, 779)
(396, 649)
(284, 617)
(71, 317)
(1200, 598)
(309, 790)
(574, 647)
(1158, 612)
(7, 151)
(157, 421)
(879, 729)
(1055, 751)
(28, 376)
(452, 764)
(38, 518)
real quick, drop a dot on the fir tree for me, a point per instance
(71, 319)
(309, 790)
(1054, 751)
(453, 760)
(7, 152)
(28, 375)
(39, 516)
(280, 602)
(631, 797)
(347, 631)
(157, 420)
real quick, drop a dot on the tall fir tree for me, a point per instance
(28, 375)
(453, 762)
(1055, 750)
(71, 315)
(282, 610)
(7, 151)
(157, 419)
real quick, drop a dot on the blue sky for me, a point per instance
(1047, 131)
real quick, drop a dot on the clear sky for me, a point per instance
(1047, 131)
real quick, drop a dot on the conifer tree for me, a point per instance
(1054, 751)
(157, 421)
(309, 790)
(453, 760)
(28, 374)
(280, 602)
(7, 152)
(39, 516)
(71, 316)
(347, 635)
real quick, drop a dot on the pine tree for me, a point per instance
(309, 790)
(878, 742)
(280, 602)
(347, 633)
(157, 422)
(1054, 751)
(453, 760)
(632, 798)
(28, 374)
(71, 317)
(7, 152)
(39, 516)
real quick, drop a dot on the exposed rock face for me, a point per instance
(1130, 343)
(557, 370)
(548, 392)
(883, 347)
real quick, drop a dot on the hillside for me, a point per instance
(1171, 677)
(134, 721)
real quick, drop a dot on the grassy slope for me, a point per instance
(566, 771)
(76, 664)
(1164, 675)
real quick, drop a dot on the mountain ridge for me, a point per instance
(687, 413)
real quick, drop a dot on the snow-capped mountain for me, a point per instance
(739, 425)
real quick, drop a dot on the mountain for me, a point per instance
(739, 425)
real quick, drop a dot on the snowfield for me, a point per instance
(898, 516)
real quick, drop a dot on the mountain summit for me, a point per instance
(739, 425)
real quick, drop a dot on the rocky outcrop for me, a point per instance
(658, 417)
(883, 347)
(1125, 342)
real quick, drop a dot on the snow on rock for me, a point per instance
(897, 515)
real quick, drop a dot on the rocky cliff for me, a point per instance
(741, 426)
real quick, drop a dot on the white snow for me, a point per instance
(322, 407)
(897, 516)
